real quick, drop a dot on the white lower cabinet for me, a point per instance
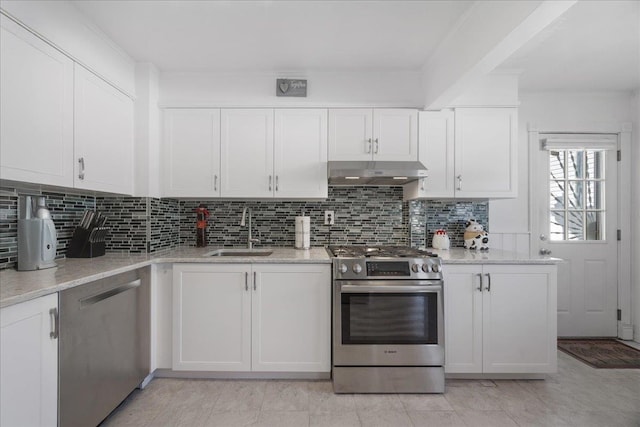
(500, 319)
(252, 317)
(29, 363)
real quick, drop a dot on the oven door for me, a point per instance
(388, 323)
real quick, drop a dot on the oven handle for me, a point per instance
(358, 289)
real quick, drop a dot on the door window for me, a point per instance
(576, 195)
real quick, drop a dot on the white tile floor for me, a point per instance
(577, 395)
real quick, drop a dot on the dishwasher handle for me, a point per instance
(85, 302)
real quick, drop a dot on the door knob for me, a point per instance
(545, 251)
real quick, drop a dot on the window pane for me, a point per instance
(556, 195)
(575, 164)
(595, 164)
(575, 226)
(556, 164)
(594, 194)
(575, 195)
(595, 226)
(556, 225)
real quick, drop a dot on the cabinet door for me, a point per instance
(29, 364)
(103, 127)
(211, 317)
(350, 136)
(436, 152)
(292, 318)
(301, 153)
(486, 152)
(247, 153)
(395, 134)
(192, 153)
(463, 319)
(519, 323)
(36, 100)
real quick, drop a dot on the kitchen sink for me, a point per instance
(240, 252)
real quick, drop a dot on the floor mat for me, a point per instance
(601, 353)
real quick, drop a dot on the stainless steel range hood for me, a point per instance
(375, 173)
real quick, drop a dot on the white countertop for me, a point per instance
(492, 256)
(20, 286)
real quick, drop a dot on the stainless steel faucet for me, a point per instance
(250, 240)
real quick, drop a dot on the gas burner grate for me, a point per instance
(357, 251)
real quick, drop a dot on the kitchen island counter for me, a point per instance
(20, 286)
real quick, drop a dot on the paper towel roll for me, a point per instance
(303, 232)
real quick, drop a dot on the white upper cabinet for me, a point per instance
(273, 153)
(191, 153)
(384, 134)
(103, 127)
(300, 166)
(36, 95)
(471, 153)
(436, 152)
(246, 152)
(486, 152)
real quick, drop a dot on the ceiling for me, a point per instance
(276, 35)
(594, 46)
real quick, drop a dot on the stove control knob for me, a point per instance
(343, 268)
(425, 268)
(415, 268)
(357, 268)
(435, 268)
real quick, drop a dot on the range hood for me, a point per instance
(375, 173)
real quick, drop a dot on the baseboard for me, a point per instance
(168, 373)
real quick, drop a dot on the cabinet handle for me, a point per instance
(369, 149)
(246, 280)
(270, 179)
(423, 181)
(377, 146)
(55, 324)
(459, 182)
(488, 282)
(276, 182)
(215, 182)
(254, 280)
(81, 168)
(479, 287)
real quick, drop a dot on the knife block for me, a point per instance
(82, 247)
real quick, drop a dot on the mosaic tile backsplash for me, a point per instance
(372, 215)
(427, 216)
(66, 211)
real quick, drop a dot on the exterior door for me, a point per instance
(576, 221)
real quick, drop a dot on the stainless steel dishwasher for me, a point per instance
(104, 347)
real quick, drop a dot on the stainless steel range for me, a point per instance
(388, 321)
